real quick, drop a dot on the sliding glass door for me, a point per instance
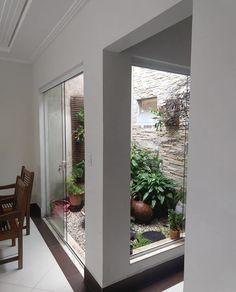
(65, 162)
(55, 157)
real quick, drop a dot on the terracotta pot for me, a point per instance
(174, 234)
(75, 200)
(141, 211)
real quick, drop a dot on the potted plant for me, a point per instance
(150, 188)
(175, 221)
(75, 192)
(167, 114)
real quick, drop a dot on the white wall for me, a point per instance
(16, 120)
(173, 45)
(98, 25)
(210, 255)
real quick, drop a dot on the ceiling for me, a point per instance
(28, 26)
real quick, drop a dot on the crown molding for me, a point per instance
(21, 20)
(62, 23)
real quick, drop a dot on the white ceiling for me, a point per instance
(28, 26)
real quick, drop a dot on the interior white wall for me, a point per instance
(210, 240)
(16, 114)
(98, 25)
(173, 45)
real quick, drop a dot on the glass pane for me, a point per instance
(158, 157)
(55, 170)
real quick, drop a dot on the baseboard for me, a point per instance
(35, 210)
(135, 282)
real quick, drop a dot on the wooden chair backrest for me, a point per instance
(21, 199)
(28, 179)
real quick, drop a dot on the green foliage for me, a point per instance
(159, 118)
(73, 188)
(140, 241)
(175, 219)
(78, 170)
(79, 132)
(143, 160)
(180, 196)
(148, 182)
(80, 116)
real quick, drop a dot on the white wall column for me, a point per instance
(210, 238)
(116, 168)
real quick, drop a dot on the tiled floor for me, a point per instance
(177, 288)
(41, 271)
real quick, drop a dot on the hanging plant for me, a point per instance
(168, 114)
(171, 110)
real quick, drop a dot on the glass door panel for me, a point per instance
(55, 157)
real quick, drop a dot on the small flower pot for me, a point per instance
(75, 200)
(174, 234)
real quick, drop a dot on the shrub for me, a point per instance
(148, 182)
(73, 188)
(143, 160)
(175, 219)
(140, 241)
(78, 170)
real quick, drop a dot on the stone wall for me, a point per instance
(170, 143)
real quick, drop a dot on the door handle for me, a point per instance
(62, 166)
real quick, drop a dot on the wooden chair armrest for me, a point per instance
(11, 186)
(9, 215)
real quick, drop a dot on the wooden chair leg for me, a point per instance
(20, 251)
(13, 242)
(28, 221)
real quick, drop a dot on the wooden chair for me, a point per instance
(28, 179)
(11, 222)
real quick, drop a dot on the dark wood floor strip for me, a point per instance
(67, 266)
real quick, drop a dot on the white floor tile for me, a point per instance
(38, 263)
(13, 288)
(54, 280)
(177, 288)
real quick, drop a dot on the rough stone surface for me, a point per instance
(171, 144)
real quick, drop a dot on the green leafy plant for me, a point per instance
(140, 241)
(79, 132)
(73, 188)
(168, 114)
(154, 188)
(159, 118)
(175, 219)
(148, 182)
(142, 160)
(80, 115)
(78, 170)
(180, 196)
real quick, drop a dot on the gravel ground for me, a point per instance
(155, 225)
(76, 227)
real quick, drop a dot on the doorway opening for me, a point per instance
(65, 162)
